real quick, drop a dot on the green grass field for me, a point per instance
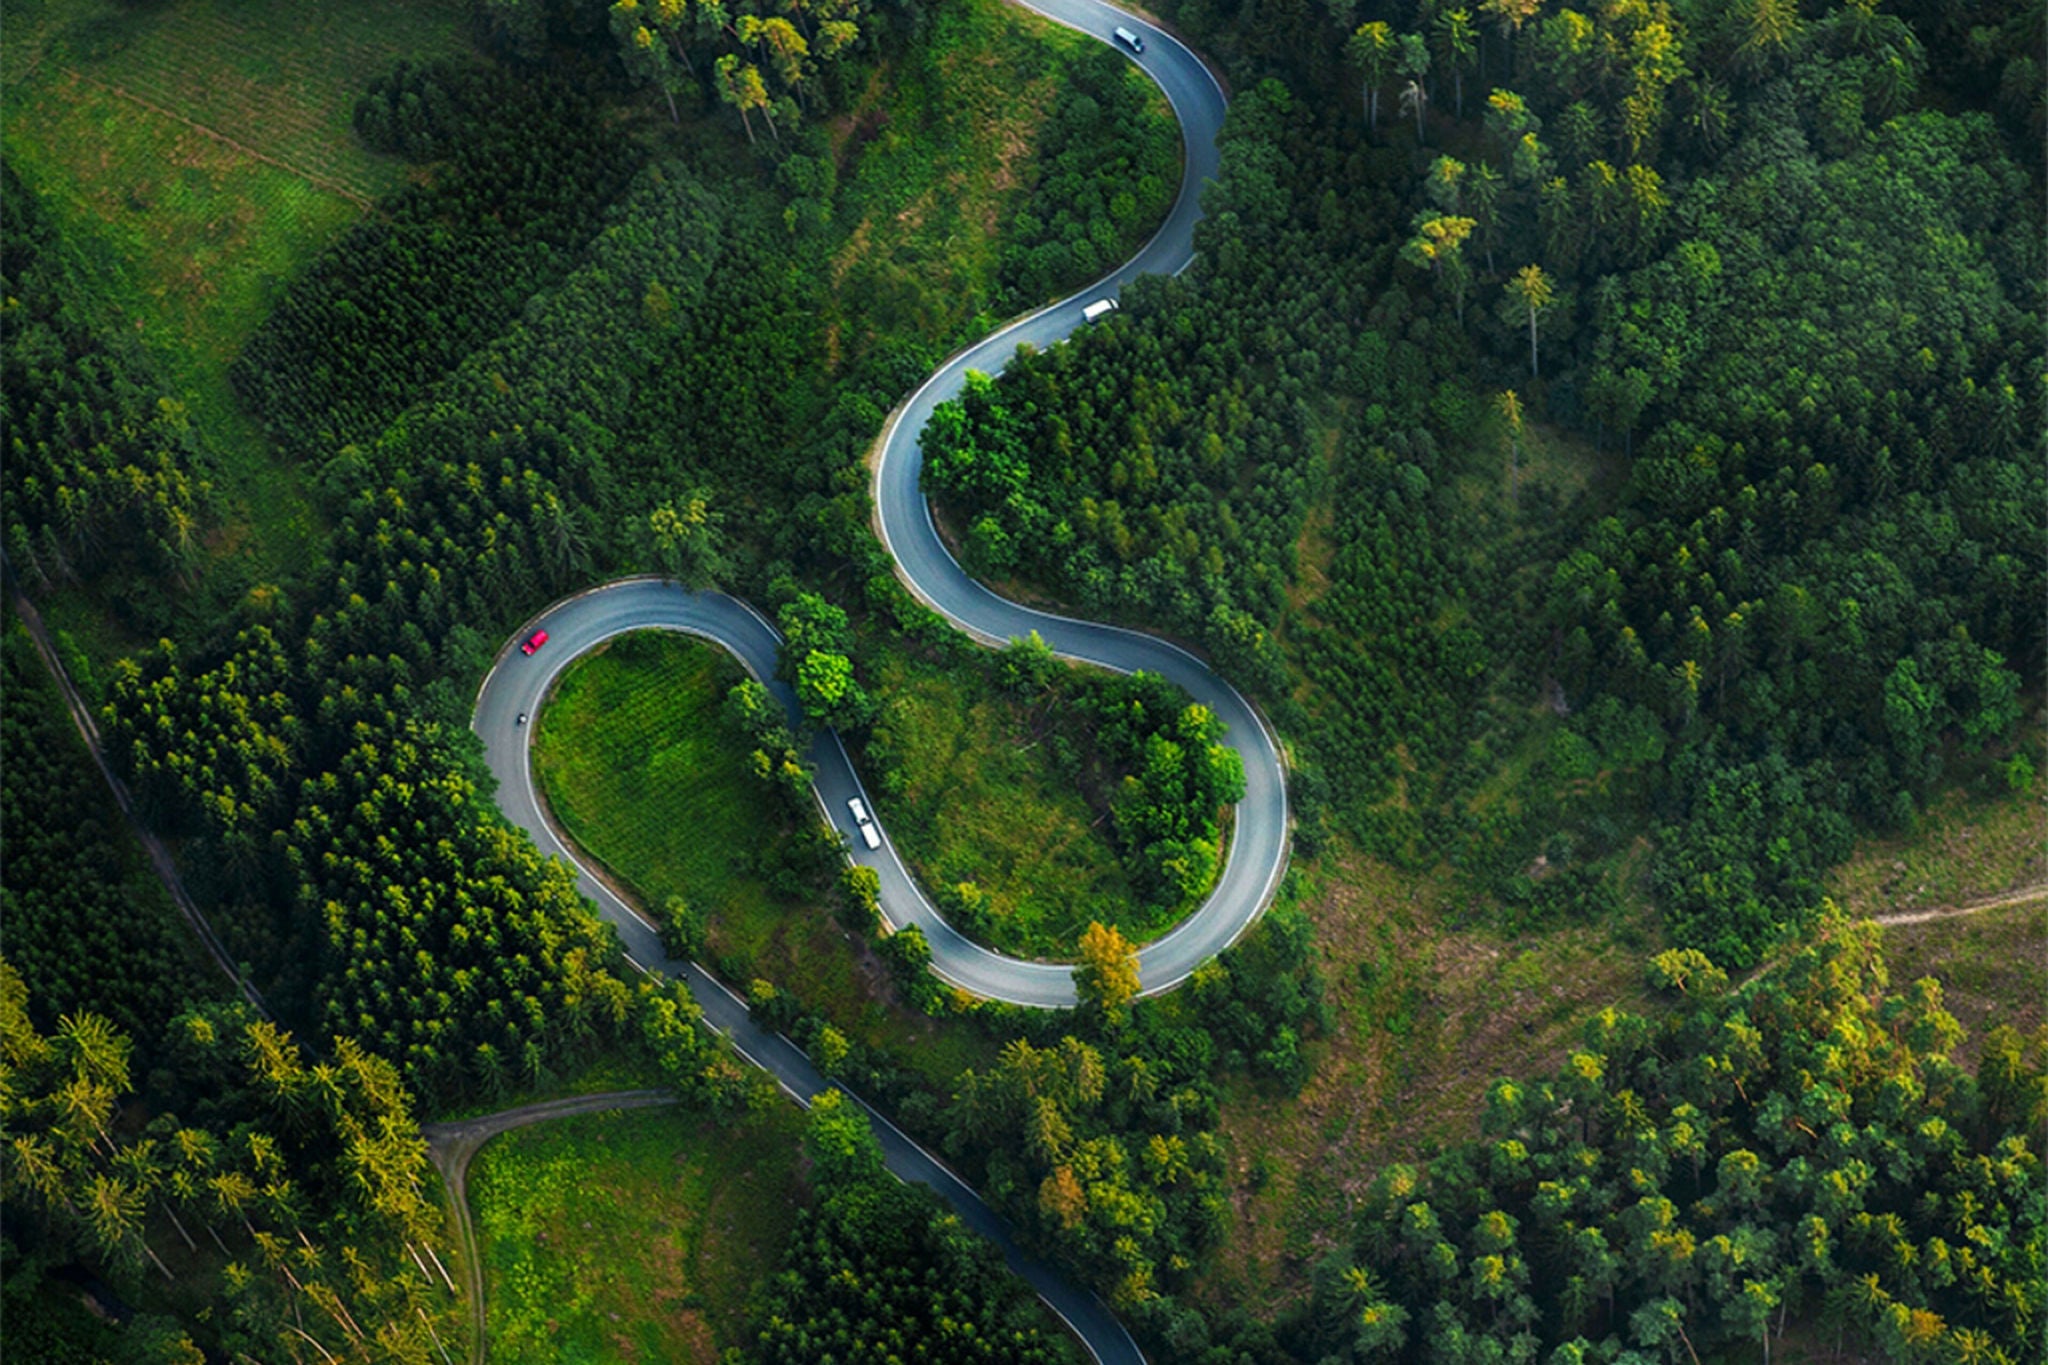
(197, 154)
(943, 144)
(640, 767)
(983, 802)
(1977, 840)
(631, 1236)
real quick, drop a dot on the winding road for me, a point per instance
(1257, 856)
(1258, 849)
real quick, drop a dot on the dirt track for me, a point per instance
(451, 1145)
(2021, 896)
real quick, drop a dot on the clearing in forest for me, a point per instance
(198, 154)
(632, 1235)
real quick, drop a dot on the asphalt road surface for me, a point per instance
(1258, 851)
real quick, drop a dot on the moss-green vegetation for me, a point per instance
(1034, 800)
(1975, 843)
(643, 769)
(196, 156)
(1992, 965)
(631, 1236)
(938, 154)
(975, 792)
(640, 767)
(278, 81)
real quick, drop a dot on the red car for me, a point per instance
(540, 637)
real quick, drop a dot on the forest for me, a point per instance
(879, 1272)
(101, 473)
(85, 919)
(307, 1178)
(1605, 443)
(1804, 1147)
(1713, 239)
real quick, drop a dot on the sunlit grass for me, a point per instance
(641, 768)
(984, 801)
(196, 156)
(632, 1235)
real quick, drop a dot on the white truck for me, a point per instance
(865, 823)
(1098, 310)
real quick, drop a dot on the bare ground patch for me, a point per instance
(1424, 1016)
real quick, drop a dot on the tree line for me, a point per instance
(299, 1187)
(103, 470)
(1704, 236)
(782, 63)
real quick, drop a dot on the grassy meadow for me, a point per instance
(1975, 841)
(639, 765)
(982, 800)
(936, 151)
(197, 154)
(633, 1235)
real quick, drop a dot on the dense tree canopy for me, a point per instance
(84, 919)
(880, 1272)
(101, 466)
(307, 1175)
(1803, 1146)
(1736, 244)
(1091, 190)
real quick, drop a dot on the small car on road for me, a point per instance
(865, 823)
(1130, 40)
(540, 637)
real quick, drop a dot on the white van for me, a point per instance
(865, 823)
(1130, 40)
(1098, 310)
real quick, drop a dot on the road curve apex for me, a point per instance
(518, 682)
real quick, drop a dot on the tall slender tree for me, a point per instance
(1530, 288)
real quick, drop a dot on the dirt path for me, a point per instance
(152, 847)
(2021, 896)
(451, 1145)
